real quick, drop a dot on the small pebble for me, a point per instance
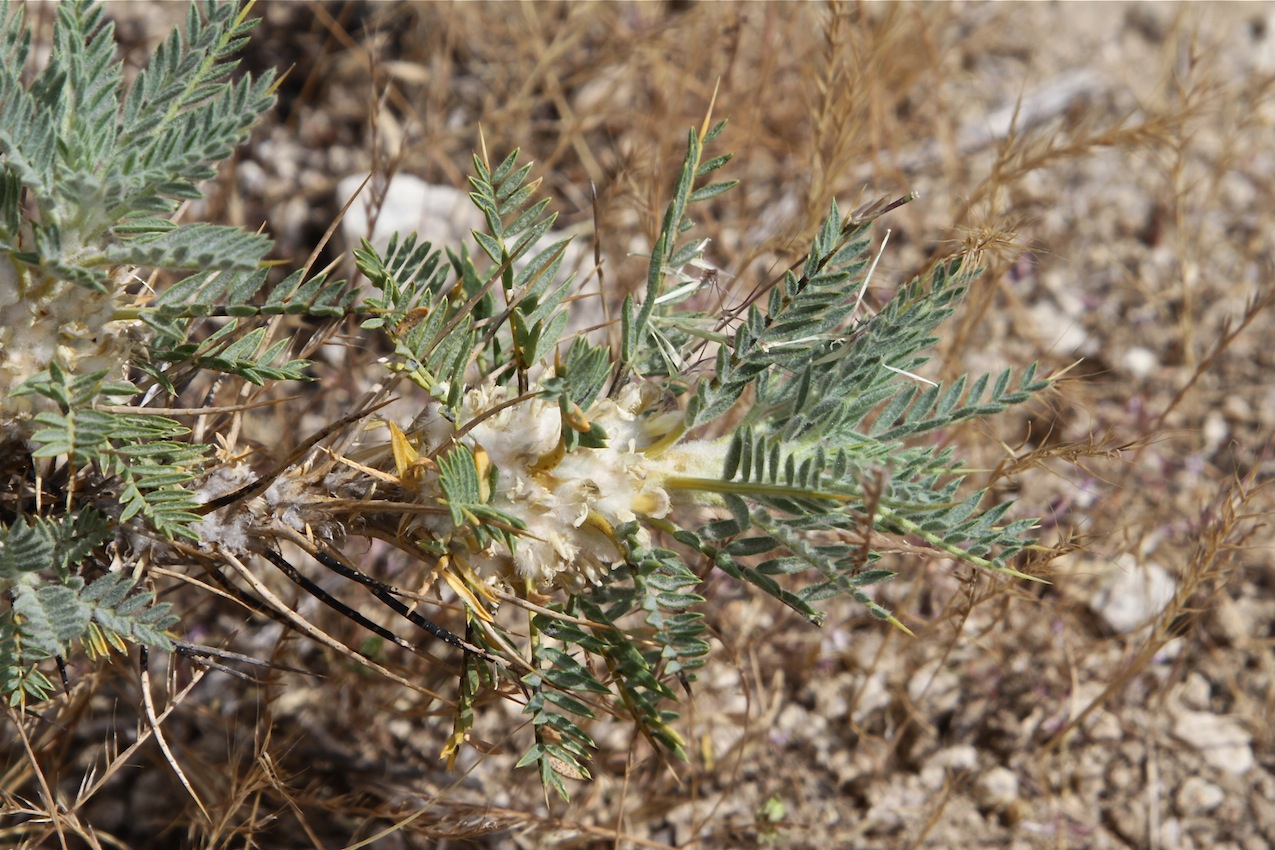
(997, 789)
(1223, 743)
(1133, 595)
(1198, 797)
(1140, 362)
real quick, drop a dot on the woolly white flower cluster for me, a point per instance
(42, 320)
(569, 501)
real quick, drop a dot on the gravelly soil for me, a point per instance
(1138, 187)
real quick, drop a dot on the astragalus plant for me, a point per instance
(567, 494)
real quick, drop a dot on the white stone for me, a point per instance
(1104, 727)
(1063, 335)
(1133, 595)
(1195, 691)
(1198, 797)
(1215, 431)
(958, 758)
(997, 788)
(440, 215)
(1223, 743)
(872, 696)
(1140, 362)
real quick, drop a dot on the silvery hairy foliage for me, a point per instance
(569, 495)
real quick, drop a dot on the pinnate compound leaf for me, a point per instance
(25, 548)
(51, 616)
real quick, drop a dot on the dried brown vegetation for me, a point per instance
(1113, 171)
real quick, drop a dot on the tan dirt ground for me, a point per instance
(1124, 217)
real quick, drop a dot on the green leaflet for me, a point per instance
(53, 609)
